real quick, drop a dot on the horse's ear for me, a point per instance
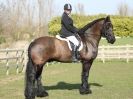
(107, 18)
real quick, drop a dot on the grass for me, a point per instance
(119, 41)
(112, 80)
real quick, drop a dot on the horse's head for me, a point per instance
(107, 30)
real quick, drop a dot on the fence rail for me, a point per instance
(115, 52)
(13, 54)
(104, 53)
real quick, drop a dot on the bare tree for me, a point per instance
(25, 17)
(2, 18)
(45, 12)
(80, 8)
(123, 9)
(50, 8)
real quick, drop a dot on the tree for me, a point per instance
(123, 9)
(45, 13)
(80, 8)
(23, 19)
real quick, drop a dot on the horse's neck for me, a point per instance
(93, 34)
(94, 41)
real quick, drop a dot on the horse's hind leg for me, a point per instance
(40, 89)
(30, 81)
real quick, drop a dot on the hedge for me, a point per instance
(123, 26)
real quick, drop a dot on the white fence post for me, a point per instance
(103, 50)
(47, 64)
(108, 49)
(127, 55)
(25, 59)
(7, 63)
(17, 62)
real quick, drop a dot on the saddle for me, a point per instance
(80, 46)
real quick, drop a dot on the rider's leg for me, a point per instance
(73, 39)
(74, 52)
(74, 43)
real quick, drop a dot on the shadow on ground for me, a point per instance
(68, 86)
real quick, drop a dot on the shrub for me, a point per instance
(123, 26)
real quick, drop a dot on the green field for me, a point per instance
(112, 80)
(119, 41)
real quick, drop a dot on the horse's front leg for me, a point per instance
(85, 88)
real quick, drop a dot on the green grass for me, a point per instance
(112, 80)
(119, 41)
(12, 69)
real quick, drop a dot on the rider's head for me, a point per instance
(67, 8)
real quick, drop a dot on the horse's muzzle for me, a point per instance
(112, 40)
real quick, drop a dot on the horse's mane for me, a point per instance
(82, 30)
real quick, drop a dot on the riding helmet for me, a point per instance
(67, 7)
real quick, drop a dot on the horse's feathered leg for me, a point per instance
(40, 89)
(85, 89)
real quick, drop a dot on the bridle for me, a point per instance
(104, 30)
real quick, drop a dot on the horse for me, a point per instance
(47, 49)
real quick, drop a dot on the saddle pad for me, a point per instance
(69, 45)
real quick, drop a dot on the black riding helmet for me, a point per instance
(67, 7)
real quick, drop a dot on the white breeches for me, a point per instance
(73, 39)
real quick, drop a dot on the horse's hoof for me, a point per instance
(42, 94)
(84, 91)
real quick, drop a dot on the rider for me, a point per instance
(68, 30)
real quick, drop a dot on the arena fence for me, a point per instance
(104, 53)
(115, 52)
(17, 55)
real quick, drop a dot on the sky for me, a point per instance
(92, 7)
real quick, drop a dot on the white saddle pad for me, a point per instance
(69, 45)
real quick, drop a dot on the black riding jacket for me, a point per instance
(67, 28)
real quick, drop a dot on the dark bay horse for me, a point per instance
(45, 49)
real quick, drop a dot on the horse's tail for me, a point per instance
(29, 73)
(30, 64)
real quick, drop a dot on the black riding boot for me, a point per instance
(74, 53)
